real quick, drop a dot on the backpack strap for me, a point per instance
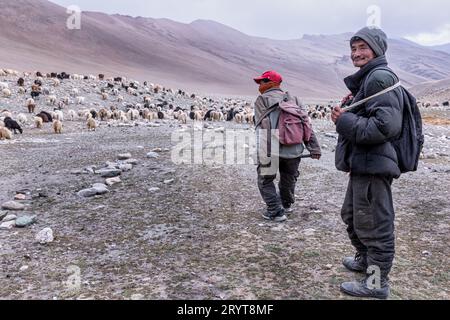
(357, 104)
(286, 98)
(265, 114)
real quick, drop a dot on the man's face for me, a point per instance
(265, 85)
(361, 53)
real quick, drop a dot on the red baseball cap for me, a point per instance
(271, 75)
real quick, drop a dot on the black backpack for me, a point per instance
(409, 144)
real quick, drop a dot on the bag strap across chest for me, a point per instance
(353, 106)
(275, 107)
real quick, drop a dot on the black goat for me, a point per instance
(12, 125)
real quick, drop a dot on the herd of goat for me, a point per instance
(118, 100)
(151, 102)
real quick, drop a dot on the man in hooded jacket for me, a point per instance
(288, 157)
(364, 150)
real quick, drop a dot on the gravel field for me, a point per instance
(170, 231)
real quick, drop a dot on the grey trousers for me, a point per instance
(288, 178)
(368, 212)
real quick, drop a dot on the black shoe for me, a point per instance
(281, 217)
(358, 263)
(361, 289)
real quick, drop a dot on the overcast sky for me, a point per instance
(426, 22)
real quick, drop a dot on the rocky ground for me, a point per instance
(170, 231)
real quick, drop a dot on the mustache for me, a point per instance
(357, 58)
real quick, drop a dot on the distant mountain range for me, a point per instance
(203, 56)
(434, 91)
(444, 47)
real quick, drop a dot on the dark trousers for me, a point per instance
(288, 178)
(368, 212)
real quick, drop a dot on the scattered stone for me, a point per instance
(97, 189)
(76, 172)
(24, 268)
(13, 205)
(110, 165)
(157, 150)
(152, 155)
(10, 217)
(7, 225)
(126, 167)
(45, 236)
(329, 267)
(25, 221)
(426, 253)
(100, 188)
(109, 173)
(90, 169)
(154, 189)
(124, 156)
(87, 193)
(131, 161)
(99, 185)
(20, 196)
(24, 191)
(113, 181)
(169, 181)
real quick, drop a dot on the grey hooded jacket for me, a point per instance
(269, 99)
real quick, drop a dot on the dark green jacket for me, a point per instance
(364, 145)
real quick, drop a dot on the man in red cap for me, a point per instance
(268, 80)
(278, 205)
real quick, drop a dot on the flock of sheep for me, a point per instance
(436, 104)
(55, 98)
(58, 97)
